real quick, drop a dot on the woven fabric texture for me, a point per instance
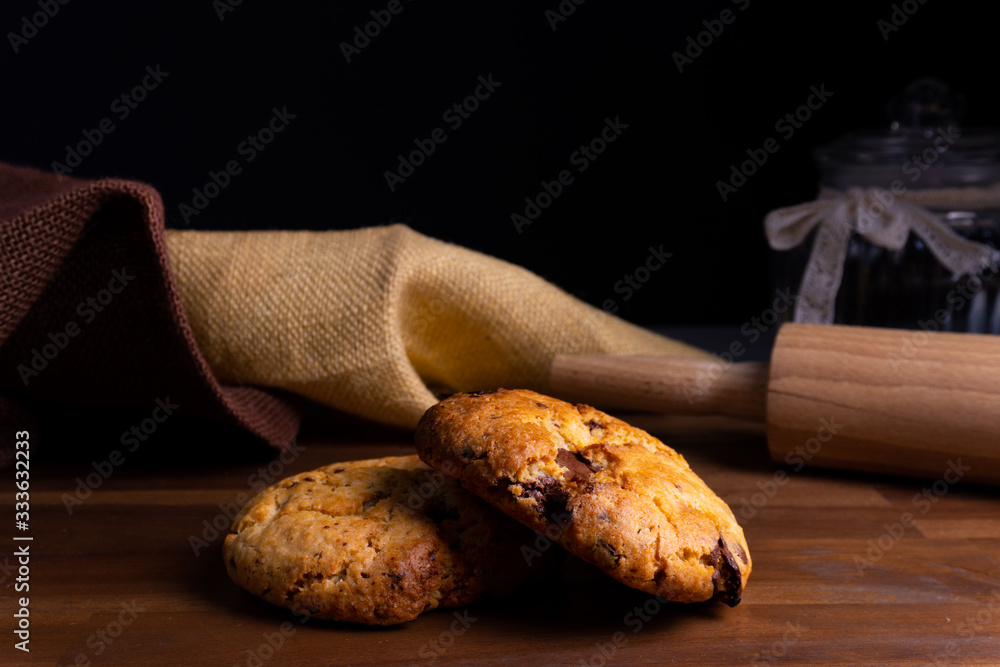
(102, 308)
(382, 321)
(91, 318)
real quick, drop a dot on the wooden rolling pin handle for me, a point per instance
(669, 385)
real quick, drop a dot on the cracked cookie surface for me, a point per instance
(376, 542)
(616, 496)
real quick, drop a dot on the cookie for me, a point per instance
(376, 542)
(613, 494)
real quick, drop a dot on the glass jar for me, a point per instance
(927, 158)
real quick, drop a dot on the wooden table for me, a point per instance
(842, 575)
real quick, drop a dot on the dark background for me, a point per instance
(656, 185)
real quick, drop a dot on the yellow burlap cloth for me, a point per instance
(377, 321)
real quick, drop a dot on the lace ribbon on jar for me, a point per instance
(883, 217)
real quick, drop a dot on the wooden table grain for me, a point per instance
(849, 569)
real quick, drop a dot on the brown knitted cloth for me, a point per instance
(90, 313)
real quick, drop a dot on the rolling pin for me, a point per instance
(916, 403)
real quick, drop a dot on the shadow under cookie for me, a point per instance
(375, 542)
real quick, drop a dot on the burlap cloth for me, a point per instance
(376, 322)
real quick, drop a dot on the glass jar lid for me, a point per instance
(924, 145)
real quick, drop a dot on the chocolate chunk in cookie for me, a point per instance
(375, 542)
(615, 495)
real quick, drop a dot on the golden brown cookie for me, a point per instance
(377, 542)
(615, 495)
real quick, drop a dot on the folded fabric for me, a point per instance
(381, 321)
(100, 306)
(90, 315)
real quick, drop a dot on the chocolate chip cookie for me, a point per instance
(615, 495)
(376, 542)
